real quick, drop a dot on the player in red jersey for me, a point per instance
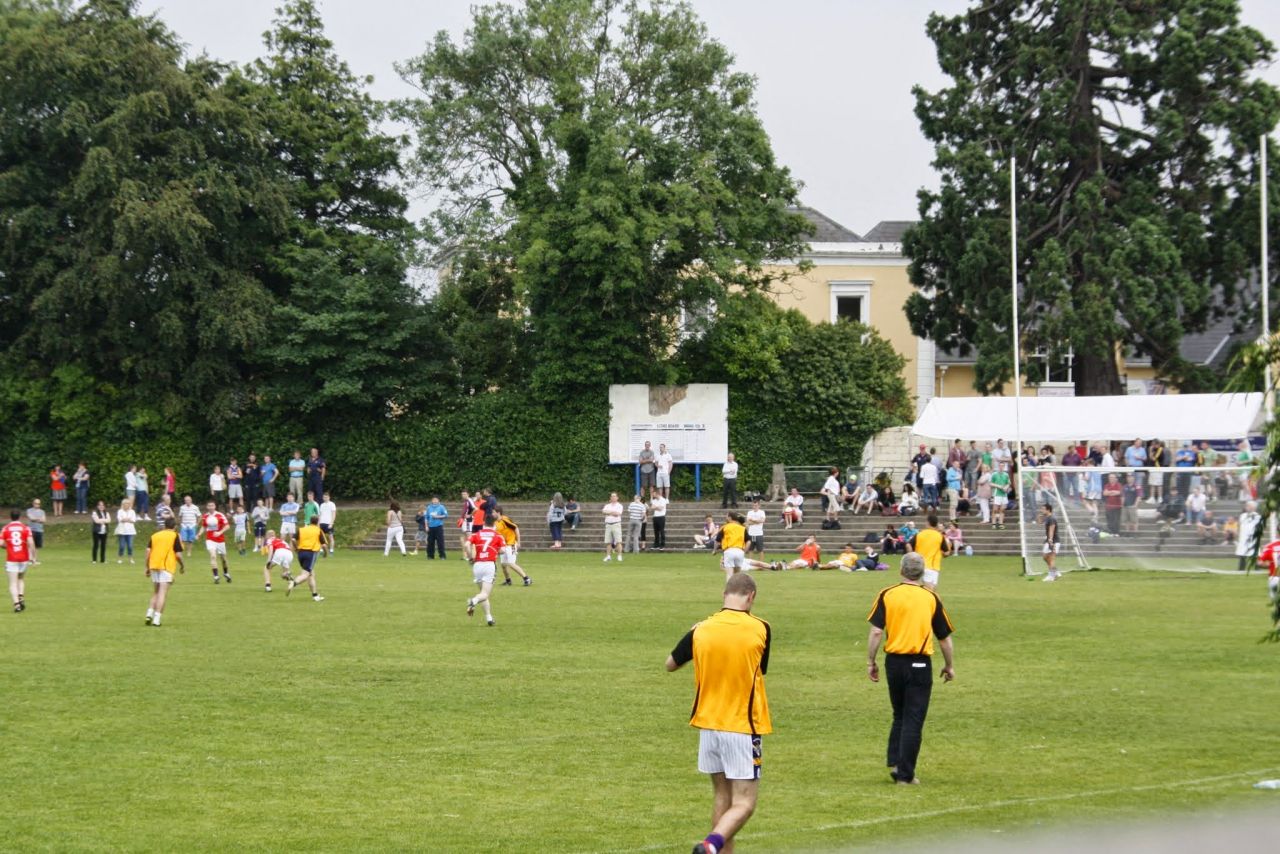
(214, 525)
(1267, 558)
(279, 554)
(19, 552)
(482, 549)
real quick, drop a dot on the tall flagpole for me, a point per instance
(1017, 366)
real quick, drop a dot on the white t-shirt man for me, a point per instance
(216, 483)
(831, 489)
(665, 462)
(730, 470)
(998, 454)
(612, 513)
(130, 483)
(929, 474)
(1197, 501)
(328, 512)
(659, 506)
(755, 522)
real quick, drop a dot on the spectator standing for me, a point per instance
(420, 536)
(1135, 456)
(658, 506)
(164, 510)
(1132, 495)
(327, 517)
(395, 530)
(755, 528)
(170, 483)
(665, 466)
(984, 492)
(831, 494)
(260, 516)
(131, 484)
(317, 471)
(1113, 502)
(636, 513)
(35, 523)
(297, 474)
(57, 489)
(235, 482)
(555, 520)
(906, 617)
(955, 486)
(955, 456)
(126, 529)
(1157, 457)
(1001, 454)
(100, 521)
(143, 499)
(1070, 483)
(729, 472)
(929, 485)
(270, 474)
(218, 486)
(80, 480)
(188, 522)
(1091, 488)
(436, 514)
(252, 481)
(646, 461)
(917, 463)
(972, 467)
(999, 494)
(612, 527)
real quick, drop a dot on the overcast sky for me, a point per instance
(835, 76)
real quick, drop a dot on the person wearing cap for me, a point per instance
(906, 617)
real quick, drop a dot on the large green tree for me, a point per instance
(1134, 126)
(605, 156)
(350, 337)
(136, 198)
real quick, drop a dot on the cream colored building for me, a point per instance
(864, 278)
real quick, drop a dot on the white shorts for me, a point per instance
(483, 571)
(283, 558)
(235, 490)
(161, 576)
(507, 555)
(662, 479)
(1050, 548)
(999, 500)
(215, 548)
(734, 559)
(18, 567)
(613, 533)
(734, 754)
(930, 577)
(288, 528)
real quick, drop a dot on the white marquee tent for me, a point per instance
(1045, 419)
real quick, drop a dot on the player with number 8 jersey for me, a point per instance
(19, 552)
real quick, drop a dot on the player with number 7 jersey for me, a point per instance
(19, 552)
(482, 549)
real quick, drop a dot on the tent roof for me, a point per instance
(1166, 416)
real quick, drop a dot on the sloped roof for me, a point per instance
(888, 231)
(826, 229)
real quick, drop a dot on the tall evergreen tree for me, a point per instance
(606, 155)
(1134, 126)
(351, 337)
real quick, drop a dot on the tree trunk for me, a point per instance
(1096, 375)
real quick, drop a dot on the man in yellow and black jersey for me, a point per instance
(164, 555)
(510, 532)
(730, 655)
(311, 542)
(931, 544)
(732, 537)
(907, 617)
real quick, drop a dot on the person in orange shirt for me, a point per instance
(810, 555)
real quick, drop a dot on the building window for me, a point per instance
(851, 301)
(1055, 371)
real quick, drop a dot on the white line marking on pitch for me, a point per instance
(1012, 802)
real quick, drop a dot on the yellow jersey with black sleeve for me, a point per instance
(164, 550)
(509, 530)
(732, 536)
(910, 617)
(929, 544)
(310, 538)
(730, 655)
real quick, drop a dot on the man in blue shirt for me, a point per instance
(436, 514)
(1185, 458)
(269, 475)
(289, 519)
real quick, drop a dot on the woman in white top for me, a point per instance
(395, 530)
(126, 528)
(101, 523)
(909, 503)
(793, 509)
(555, 520)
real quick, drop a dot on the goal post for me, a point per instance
(1181, 519)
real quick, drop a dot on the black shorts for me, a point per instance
(328, 529)
(475, 529)
(259, 529)
(757, 544)
(307, 559)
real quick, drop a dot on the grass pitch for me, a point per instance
(385, 719)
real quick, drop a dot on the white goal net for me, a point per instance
(1184, 519)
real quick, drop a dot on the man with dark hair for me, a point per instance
(907, 617)
(164, 555)
(730, 655)
(931, 544)
(1051, 541)
(20, 552)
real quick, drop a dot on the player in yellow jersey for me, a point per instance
(510, 533)
(732, 538)
(163, 556)
(931, 544)
(730, 655)
(310, 543)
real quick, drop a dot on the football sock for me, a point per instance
(715, 840)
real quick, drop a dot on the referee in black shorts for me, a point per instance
(906, 617)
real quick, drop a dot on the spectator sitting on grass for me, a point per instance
(844, 561)
(810, 555)
(870, 560)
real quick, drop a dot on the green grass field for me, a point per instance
(384, 718)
